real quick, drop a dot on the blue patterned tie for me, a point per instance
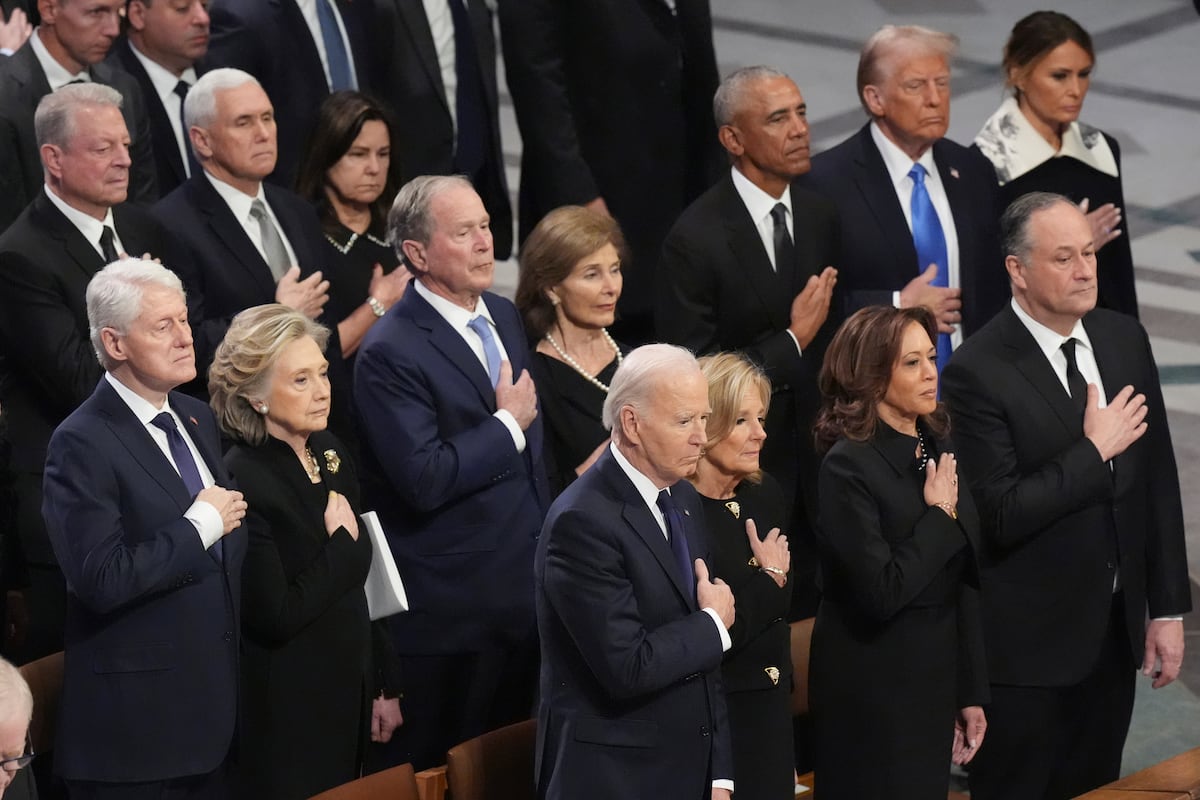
(677, 535)
(340, 74)
(184, 462)
(481, 327)
(930, 242)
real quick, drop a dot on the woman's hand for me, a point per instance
(1104, 221)
(771, 553)
(969, 729)
(941, 483)
(339, 514)
(385, 718)
(389, 288)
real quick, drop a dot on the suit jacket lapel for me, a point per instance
(160, 118)
(875, 185)
(747, 247)
(806, 261)
(211, 459)
(416, 26)
(1031, 362)
(136, 439)
(291, 227)
(1112, 359)
(958, 196)
(228, 230)
(451, 345)
(78, 248)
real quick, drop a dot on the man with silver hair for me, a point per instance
(919, 212)
(632, 629)
(449, 419)
(251, 242)
(78, 222)
(67, 47)
(16, 711)
(151, 546)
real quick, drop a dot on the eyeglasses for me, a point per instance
(15, 763)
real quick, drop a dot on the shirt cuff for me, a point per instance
(800, 352)
(723, 784)
(4, 51)
(1167, 619)
(514, 430)
(208, 522)
(726, 642)
(896, 299)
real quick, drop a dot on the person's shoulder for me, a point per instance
(826, 161)
(701, 211)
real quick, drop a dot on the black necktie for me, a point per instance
(677, 535)
(784, 249)
(470, 149)
(193, 167)
(1075, 382)
(183, 461)
(107, 247)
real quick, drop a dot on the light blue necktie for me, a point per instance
(481, 327)
(341, 76)
(930, 242)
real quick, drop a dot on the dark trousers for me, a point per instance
(1053, 743)
(451, 698)
(216, 785)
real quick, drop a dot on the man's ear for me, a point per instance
(114, 344)
(873, 99)
(728, 136)
(414, 254)
(1016, 273)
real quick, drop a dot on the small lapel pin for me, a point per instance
(193, 420)
(687, 513)
(773, 674)
(954, 173)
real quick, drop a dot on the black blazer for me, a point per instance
(412, 85)
(270, 40)
(1052, 511)
(49, 365)
(878, 255)
(614, 101)
(150, 690)
(22, 85)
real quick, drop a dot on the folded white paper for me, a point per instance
(385, 590)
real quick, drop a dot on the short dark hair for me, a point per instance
(1014, 222)
(858, 369)
(340, 120)
(1036, 35)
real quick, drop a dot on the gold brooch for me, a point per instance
(734, 509)
(773, 674)
(752, 561)
(333, 461)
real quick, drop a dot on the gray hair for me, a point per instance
(200, 107)
(731, 94)
(409, 217)
(16, 701)
(889, 39)
(114, 297)
(641, 373)
(1014, 222)
(54, 120)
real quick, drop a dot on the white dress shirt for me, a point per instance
(459, 319)
(90, 227)
(56, 74)
(898, 165)
(239, 203)
(308, 8)
(1050, 343)
(164, 83)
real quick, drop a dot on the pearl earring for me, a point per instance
(263, 409)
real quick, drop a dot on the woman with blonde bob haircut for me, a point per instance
(311, 659)
(739, 501)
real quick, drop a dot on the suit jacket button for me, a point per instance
(704, 730)
(228, 636)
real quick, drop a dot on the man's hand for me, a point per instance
(969, 728)
(15, 31)
(1104, 221)
(713, 594)
(228, 503)
(945, 302)
(811, 306)
(1120, 424)
(1164, 651)
(307, 296)
(385, 718)
(722, 794)
(518, 399)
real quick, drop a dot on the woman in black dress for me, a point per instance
(743, 509)
(1037, 144)
(567, 294)
(318, 678)
(897, 676)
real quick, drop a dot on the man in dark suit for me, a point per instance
(746, 267)
(68, 46)
(1062, 435)
(456, 449)
(147, 536)
(163, 45)
(442, 71)
(632, 631)
(300, 51)
(74, 227)
(614, 103)
(949, 259)
(250, 241)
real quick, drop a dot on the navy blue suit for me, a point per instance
(150, 690)
(631, 699)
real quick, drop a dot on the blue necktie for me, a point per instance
(340, 74)
(481, 327)
(930, 242)
(184, 462)
(677, 535)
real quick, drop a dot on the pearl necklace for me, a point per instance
(592, 379)
(354, 237)
(923, 458)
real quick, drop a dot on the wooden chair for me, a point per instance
(45, 679)
(496, 765)
(1179, 774)
(396, 783)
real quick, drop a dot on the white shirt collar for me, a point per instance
(758, 202)
(897, 161)
(1014, 147)
(142, 408)
(89, 226)
(163, 80)
(645, 487)
(56, 74)
(1048, 341)
(454, 314)
(238, 201)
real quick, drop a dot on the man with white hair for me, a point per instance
(16, 711)
(632, 630)
(78, 222)
(151, 546)
(251, 242)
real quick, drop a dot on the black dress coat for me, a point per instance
(877, 254)
(22, 85)
(898, 646)
(308, 669)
